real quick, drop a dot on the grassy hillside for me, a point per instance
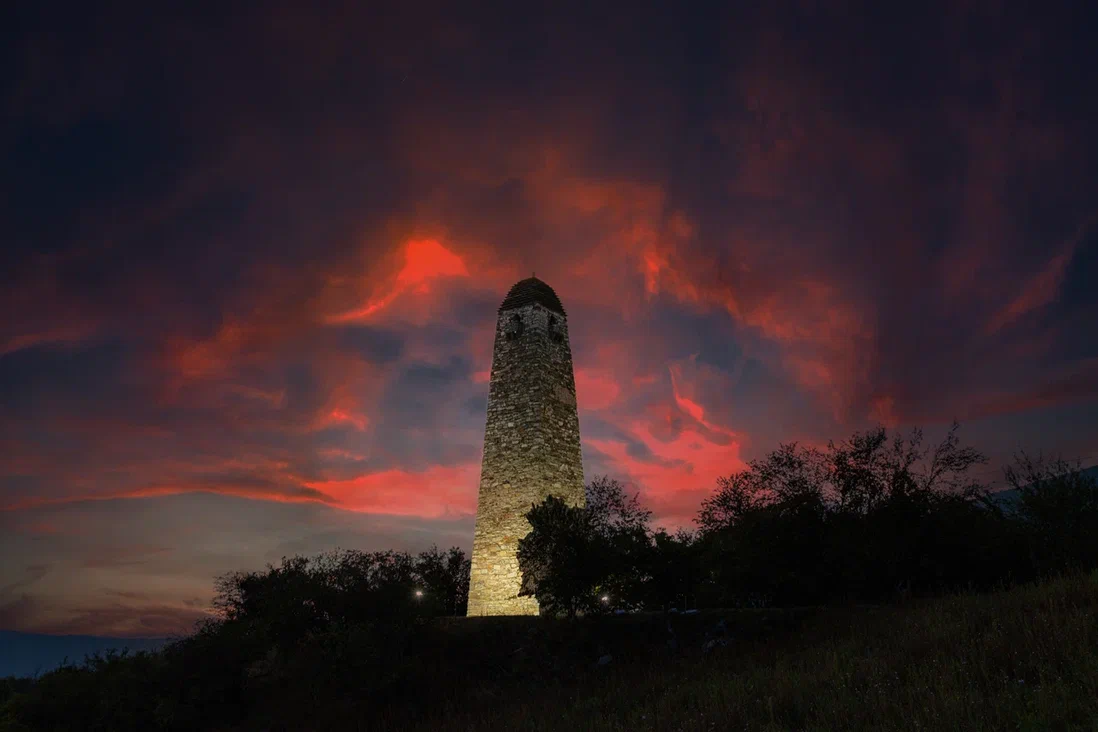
(1024, 659)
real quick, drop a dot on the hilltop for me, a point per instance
(1026, 658)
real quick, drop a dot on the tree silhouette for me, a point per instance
(586, 560)
(1058, 504)
(560, 558)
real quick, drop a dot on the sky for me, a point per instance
(252, 259)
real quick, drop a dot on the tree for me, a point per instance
(611, 510)
(674, 569)
(787, 476)
(621, 524)
(560, 558)
(443, 580)
(857, 521)
(304, 595)
(1058, 507)
(588, 559)
(280, 605)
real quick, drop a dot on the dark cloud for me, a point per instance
(421, 393)
(594, 427)
(477, 406)
(73, 379)
(376, 345)
(16, 611)
(31, 574)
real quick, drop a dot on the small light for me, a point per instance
(419, 593)
(605, 598)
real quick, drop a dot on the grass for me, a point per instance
(1023, 659)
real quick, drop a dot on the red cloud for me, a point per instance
(1042, 287)
(424, 261)
(688, 405)
(308, 496)
(438, 491)
(683, 470)
(596, 389)
(339, 416)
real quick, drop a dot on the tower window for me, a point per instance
(513, 328)
(554, 329)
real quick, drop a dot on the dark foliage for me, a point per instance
(304, 595)
(561, 558)
(586, 560)
(673, 571)
(865, 520)
(868, 520)
(1058, 509)
(285, 637)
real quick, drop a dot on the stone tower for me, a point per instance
(531, 441)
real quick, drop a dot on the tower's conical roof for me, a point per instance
(532, 290)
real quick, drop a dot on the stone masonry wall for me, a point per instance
(531, 450)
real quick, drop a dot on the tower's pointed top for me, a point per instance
(532, 290)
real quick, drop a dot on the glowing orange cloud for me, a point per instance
(344, 405)
(437, 491)
(428, 259)
(680, 390)
(822, 336)
(157, 491)
(690, 407)
(424, 260)
(358, 421)
(683, 471)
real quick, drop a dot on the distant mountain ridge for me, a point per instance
(31, 654)
(1012, 496)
